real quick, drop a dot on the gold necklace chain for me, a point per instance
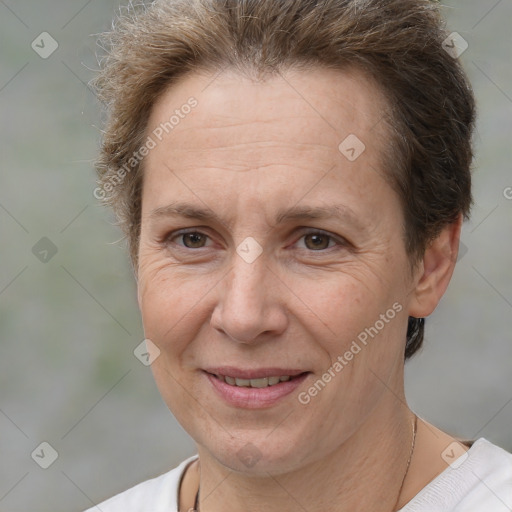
(414, 429)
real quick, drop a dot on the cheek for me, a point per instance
(359, 325)
(340, 305)
(359, 361)
(169, 308)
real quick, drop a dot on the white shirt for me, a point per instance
(478, 481)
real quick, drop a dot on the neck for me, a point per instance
(366, 471)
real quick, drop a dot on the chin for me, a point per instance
(258, 453)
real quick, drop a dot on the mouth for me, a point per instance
(261, 382)
(253, 389)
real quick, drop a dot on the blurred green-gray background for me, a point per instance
(69, 321)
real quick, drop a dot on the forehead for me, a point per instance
(245, 142)
(291, 112)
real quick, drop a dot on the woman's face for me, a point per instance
(297, 269)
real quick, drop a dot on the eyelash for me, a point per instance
(340, 242)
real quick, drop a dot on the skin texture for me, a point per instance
(248, 150)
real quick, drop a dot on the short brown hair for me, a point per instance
(398, 43)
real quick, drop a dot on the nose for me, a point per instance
(250, 308)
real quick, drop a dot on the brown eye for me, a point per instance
(193, 240)
(188, 240)
(317, 241)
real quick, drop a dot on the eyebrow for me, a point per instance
(190, 211)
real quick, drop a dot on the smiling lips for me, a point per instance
(262, 382)
(254, 389)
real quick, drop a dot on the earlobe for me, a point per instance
(435, 270)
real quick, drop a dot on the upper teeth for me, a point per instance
(253, 383)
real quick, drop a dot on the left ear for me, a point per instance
(435, 271)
